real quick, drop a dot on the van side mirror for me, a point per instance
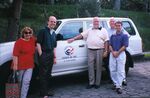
(59, 37)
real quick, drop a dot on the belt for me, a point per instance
(96, 49)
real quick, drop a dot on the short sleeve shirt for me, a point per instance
(25, 50)
(119, 40)
(95, 38)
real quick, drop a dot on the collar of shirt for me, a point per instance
(119, 33)
(51, 31)
(97, 28)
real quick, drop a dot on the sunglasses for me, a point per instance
(27, 32)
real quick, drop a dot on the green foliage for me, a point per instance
(35, 16)
(107, 4)
(88, 8)
(3, 28)
(30, 10)
(43, 11)
(145, 34)
(134, 5)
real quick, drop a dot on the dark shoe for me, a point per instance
(113, 87)
(50, 93)
(124, 83)
(97, 86)
(89, 86)
(119, 90)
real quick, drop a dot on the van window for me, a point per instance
(128, 27)
(57, 24)
(71, 29)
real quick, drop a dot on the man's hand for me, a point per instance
(115, 54)
(105, 54)
(54, 60)
(15, 67)
(70, 40)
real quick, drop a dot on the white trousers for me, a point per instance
(24, 78)
(117, 68)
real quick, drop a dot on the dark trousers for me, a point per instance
(46, 64)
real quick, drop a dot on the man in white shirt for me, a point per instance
(97, 42)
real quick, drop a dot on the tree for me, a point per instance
(117, 4)
(13, 19)
(147, 5)
(88, 8)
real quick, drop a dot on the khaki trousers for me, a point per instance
(95, 66)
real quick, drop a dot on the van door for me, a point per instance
(71, 57)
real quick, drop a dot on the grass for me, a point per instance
(147, 55)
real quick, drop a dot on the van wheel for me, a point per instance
(4, 73)
(126, 69)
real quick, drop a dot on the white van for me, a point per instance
(72, 57)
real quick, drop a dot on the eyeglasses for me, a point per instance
(27, 32)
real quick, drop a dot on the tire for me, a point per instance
(4, 73)
(126, 69)
(129, 62)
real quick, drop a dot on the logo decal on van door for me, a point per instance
(69, 50)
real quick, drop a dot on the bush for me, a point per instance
(35, 16)
(87, 9)
(36, 11)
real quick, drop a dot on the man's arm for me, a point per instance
(106, 49)
(54, 55)
(39, 49)
(106, 46)
(75, 38)
(110, 48)
(123, 48)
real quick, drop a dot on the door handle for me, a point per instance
(81, 45)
